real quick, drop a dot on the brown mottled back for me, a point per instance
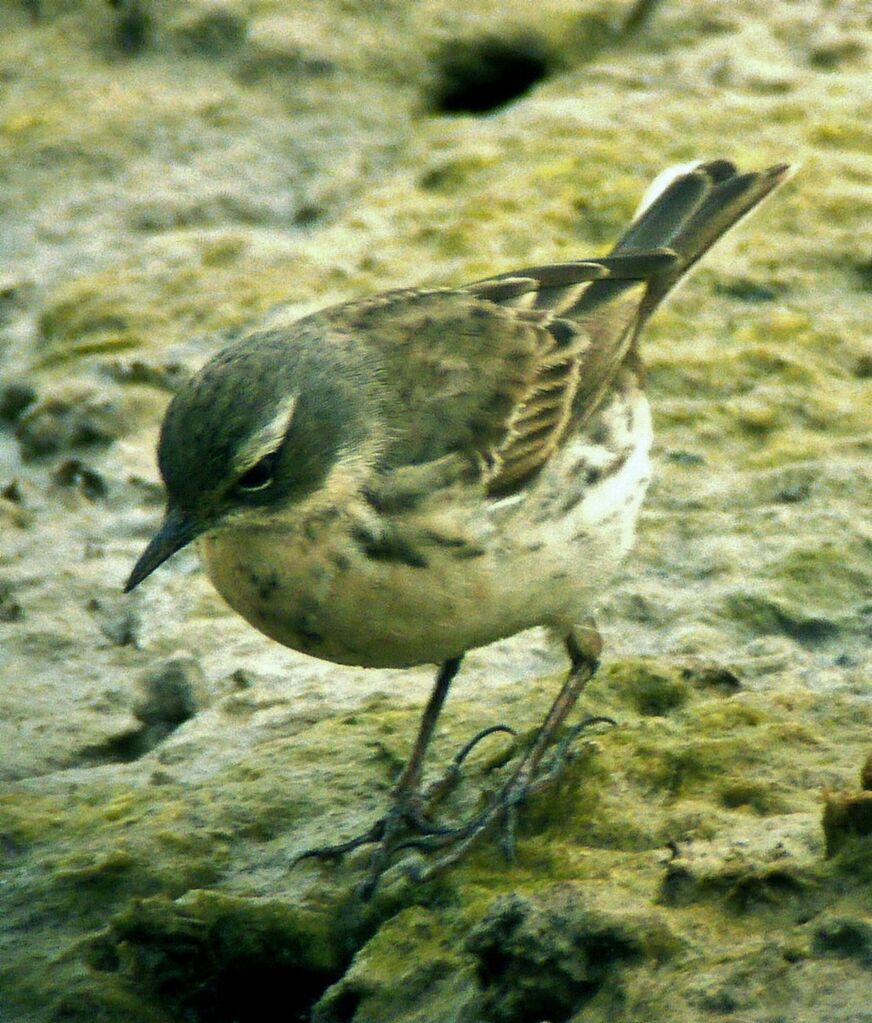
(500, 371)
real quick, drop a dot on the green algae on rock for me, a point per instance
(713, 848)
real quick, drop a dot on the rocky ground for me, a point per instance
(170, 171)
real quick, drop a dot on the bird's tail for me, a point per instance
(683, 213)
(686, 209)
(596, 308)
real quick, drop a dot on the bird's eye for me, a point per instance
(259, 476)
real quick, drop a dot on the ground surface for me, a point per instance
(172, 170)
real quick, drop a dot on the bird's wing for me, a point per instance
(499, 371)
(492, 371)
(580, 354)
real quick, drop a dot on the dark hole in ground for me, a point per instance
(844, 937)
(760, 891)
(343, 1008)
(808, 631)
(128, 746)
(748, 291)
(252, 992)
(132, 26)
(196, 980)
(223, 959)
(863, 270)
(480, 75)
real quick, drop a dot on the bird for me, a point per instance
(401, 478)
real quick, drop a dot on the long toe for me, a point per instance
(505, 808)
(337, 851)
(406, 815)
(448, 781)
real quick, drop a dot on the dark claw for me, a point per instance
(432, 836)
(336, 852)
(410, 808)
(594, 719)
(419, 822)
(442, 786)
(476, 739)
(439, 837)
(562, 749)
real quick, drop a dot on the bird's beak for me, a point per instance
(175, 532)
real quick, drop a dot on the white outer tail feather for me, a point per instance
(663, 180)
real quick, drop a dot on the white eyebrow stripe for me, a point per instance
(267, 438)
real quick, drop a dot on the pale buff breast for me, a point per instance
(452, 577)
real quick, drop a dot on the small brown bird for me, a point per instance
(396, 480)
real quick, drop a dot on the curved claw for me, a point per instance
(429, 835)
(504, 808)
(576, 730)
(477, 738)
(441, 836)
(595, 719)
(420, 823)
(335, 852)
(438, 789)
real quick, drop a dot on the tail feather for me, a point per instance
(607, 301)
(727, 202)
(689, 215)
(662, 215)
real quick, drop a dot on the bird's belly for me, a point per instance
(338, 603)
(541, 558)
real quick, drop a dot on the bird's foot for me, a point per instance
(526, 781)
(539, 767)
(409, 814)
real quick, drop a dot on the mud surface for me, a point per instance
(171, 171)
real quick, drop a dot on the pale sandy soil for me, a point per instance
(169, 172)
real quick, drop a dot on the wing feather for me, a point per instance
(496, 374)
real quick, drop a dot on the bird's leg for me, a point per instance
(407, 791)
(411, 803)
(437, 790)
(407, 797)
(584, 646)
(407, 808)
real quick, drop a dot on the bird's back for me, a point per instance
(503, 370)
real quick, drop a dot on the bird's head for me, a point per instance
(257, 429)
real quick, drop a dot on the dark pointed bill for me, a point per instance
(175, 533)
